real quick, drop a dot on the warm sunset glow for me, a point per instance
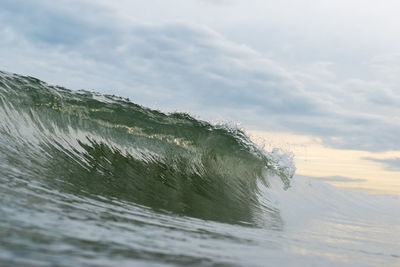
(314, 159)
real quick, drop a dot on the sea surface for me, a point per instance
(95, 180)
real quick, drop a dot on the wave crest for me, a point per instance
(104, 146)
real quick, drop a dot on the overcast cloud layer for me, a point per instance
(200, 57)
(391, 164)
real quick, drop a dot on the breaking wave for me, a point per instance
(105, 147)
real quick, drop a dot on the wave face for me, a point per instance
(94, 145)
(94, 180)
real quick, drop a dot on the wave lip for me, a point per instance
(95, 145)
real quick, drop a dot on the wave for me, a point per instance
(103, 146)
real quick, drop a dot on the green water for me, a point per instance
(92, 179)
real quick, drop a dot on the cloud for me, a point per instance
(391, 164)
(217, 2)
(189, 60)
(340, 179)
(189, 66)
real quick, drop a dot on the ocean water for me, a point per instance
(96, 180)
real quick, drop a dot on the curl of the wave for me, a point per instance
(106, 147)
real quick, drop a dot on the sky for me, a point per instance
(320, 77)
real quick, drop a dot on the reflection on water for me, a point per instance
(41, 225)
